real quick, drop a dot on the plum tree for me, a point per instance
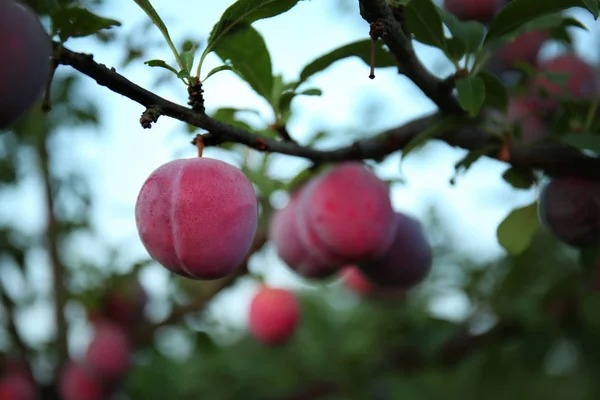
(570, 208)
(78, 382)
(581, 80)
(274, 315)
(283, 232)
(197, 217)
(524, 48)
(407, 261)
(479, 10)
(346, 213)
(25, 53)
(109, 353)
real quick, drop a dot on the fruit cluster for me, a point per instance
(344, 217)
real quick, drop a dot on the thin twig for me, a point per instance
(52, 240)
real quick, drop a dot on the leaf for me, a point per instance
(243, 12)
(518, 229)
(285, 101)
(518, 13)
(156, 20)
(424, 22)
(361, 49)
(217, 69)
(437, 130)
(187, 56)
(161, 64)
(583, 141)
(469, 33)
(79, 22)
(519, 179)
(471, 93)
(495, 91)
(245, 50)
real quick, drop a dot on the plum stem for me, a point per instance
(199, 142)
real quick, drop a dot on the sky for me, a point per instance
(119, 155)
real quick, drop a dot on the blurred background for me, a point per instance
(68, 188)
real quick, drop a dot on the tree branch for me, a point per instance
(553, 158)
(52, 239)
(378, 12)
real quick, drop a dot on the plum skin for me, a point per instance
(109, 352)
(570, 208)
(479, 10)
(197, 217)
(283, 232)
(345, 215)
(25, 53)
(274, 315)
(78, 382)
(406, 262)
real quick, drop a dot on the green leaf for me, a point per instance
(285, 101)
(147, 7)
(311, 92)
(518, 13)
(161, 64)
(245, 50)
(187, 56)
(437, 130)
(244, 13)
(471, 93)
(583, 141)
(361, 49)
(79, 22)
(495, 91)
(217, 69)
(519, 179)
(518, 229)
(424, 22)
(469, 33)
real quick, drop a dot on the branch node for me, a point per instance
(196, 99)
(149, 116)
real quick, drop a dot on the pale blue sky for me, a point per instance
(121, 157)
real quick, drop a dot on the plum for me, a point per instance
(356, 281)
(197, 217)
(283, 232)
(581, 83)
(407, 261)
(478, 10)
(124, 304)
(346, 214)
(17, 388)
(78, 382)
(109, 353)
(25, 53)
(524, 48)
(569, 207)
(523, 111)
(274, 315)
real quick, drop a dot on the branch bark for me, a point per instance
(52, 239)
(379, 12)
(551, 157)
